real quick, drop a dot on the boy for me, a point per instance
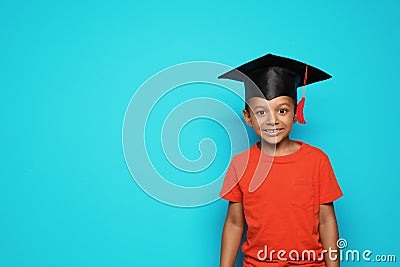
(281, 188)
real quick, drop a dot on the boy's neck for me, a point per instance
(283, 148)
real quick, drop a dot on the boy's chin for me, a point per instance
(271, 141)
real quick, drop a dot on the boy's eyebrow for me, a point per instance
(284, 103)
(280, 104)
(260, 107)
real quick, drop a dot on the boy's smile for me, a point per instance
(272, 120)
(273, 132)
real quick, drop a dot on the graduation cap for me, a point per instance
(271, 76)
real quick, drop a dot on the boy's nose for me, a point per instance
(272, 120)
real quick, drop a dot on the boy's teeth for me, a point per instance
(272, 131)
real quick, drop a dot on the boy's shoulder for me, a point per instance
(240, 160)
(314, 151)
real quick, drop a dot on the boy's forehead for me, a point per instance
(259, 101)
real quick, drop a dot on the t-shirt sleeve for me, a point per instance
(231, 190)
(329, 187)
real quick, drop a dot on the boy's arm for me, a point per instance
(328, 231)
(232, 234)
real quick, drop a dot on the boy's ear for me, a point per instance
(246, 116)
(294, 118)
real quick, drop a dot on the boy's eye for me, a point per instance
(260, 112)
(283, 111)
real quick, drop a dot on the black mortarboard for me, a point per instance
(271, 76)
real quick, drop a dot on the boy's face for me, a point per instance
(272, 120)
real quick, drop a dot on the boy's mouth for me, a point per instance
(273, 130)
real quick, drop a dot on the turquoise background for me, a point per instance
(69, 69)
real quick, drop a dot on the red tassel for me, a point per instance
(300, 111)
(300, 105)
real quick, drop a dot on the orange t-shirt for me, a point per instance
(281, 197)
